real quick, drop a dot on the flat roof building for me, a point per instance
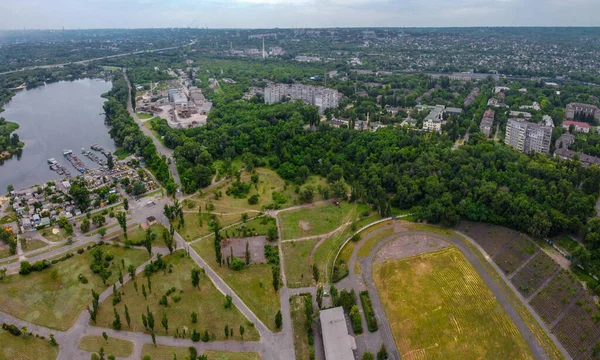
(528, 137)
(338, 344)
(487, 122)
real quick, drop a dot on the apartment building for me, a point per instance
(319, 96)
(528, 137)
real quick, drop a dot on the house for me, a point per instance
(337, 343)
(564, 141)
(151, 220)
(580, 127)
(586, 160)
(45, 221)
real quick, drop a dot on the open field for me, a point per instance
(112, 346)
(48, 234)
(577, 331)
(25, 348)
(252, 284)
(460, 317)
(55, 297)
(6, 219)
(167, 352)
(205, 300)
(296, 257)
(298, 314)
(515, 253)
(30, 245)
(137, 235)
(534, 274)
(144, 116)
(556, 296)
(315, 220)
(193, 229)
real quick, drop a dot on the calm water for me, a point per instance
(63, 115)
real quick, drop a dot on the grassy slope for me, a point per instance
(54, 297)
(206, 301)
(317, 220)
(253, 284)
(297, 263)
(460, 319)
(25, 348)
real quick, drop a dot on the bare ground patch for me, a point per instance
(256, 245)
(408, 245)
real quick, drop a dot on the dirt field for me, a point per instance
(256, 245)
(439, 308)
(407, 246)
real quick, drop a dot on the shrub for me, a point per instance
(253, 200)
(356, 320)
(195, 336)
(237, 264)
(368, 308)
(82, 279)
(12, 329)
(176, 298)
(25, 268)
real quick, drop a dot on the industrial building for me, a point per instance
(319, 96)
(338, 344)
(528, 137)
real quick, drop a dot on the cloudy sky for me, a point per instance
(44, 14)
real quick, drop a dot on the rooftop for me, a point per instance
(338, 344)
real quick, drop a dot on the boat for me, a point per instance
(51, 161)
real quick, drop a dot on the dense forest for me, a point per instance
(480, 181)
(9, 140)
(127, 134)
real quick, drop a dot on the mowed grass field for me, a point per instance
(315, 220)
(55, 297)
(161, 352)
(439, 308)
(205, 300)
(254, 285)
(112, 346)
(296, 257)
(25, 348)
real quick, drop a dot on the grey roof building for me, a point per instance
(528, 137)
(338, 344)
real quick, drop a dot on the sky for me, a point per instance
(94, 14)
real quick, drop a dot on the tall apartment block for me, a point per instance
(528, 137)
(319, 96)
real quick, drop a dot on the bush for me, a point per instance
(195, 336)
(80, 251)
(82, 279)
(237, 264)
(12, 329)
(238, 190)
(253, 200)
(368, 308)
(356, 320)
(176, 298)
(25, 268)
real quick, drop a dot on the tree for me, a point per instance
(581, 255)
(117, 322)
(272, 234)
(3, 273)
(367, 356)
(145, 321)
(105, 336)
(144, 291)
(122, 219)
(150, 317)
(110, 162)
(193, 353)
(247, 254)
(98, 220)
(278, 320)
(382, 354)
(150, 236)
(276, 277)
(244, 217)
(242, 330)
(102, 232)
(195, 277)
(165, 322)
(125, 204)
(226, 331)
(320, 296)
(194, 317)
(131, 271)
(217, 230)
(80, 195)
(85, 225)
(228, 301)
(10, 188)
(127, 317)
(315, 273)
(153, 337)
(169, 241)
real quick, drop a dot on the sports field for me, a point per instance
(439, 308)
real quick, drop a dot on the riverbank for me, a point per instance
(9, 141)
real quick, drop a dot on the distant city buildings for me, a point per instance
(466, 76)
(579, 126)
(579, 111)
(487, 122)
(302, 58)
(528, 137)
(321, 97)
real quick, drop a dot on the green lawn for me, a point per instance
(193, 229)
(167, 352)
(25, 348)
(298, 314)
(112, 346)
(55, 297)
(566, 242)
(8, 219)
(48, 234)
(296, 257)
(144, 116)
(254, 227)
(121, 154)
(315, 220)
(461, 317)
(205, 300)
(253, 285)
(31, 244)
(138, 234)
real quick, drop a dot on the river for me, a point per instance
(62, 115)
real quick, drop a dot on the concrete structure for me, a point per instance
(579, 109)
(319, 96)
(487, 122)
(580, 127)
(151, 220)
(547, 121)
(586, 160)
(338, 344)
(564, 141)
(528, 137)
(526, 115)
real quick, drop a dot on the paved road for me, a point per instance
(162, 149)
(83, 62)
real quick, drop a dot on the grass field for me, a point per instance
(206, 301)
(55, 297)
(31, 244)
(253, 284)
(138, 234)
(121, 154)
(144, 116)
(8, 219)
(296, 257)
(445, 310)
(193, 229)
(298, 314)
(112, 346)
(161, 352)
(48, 234)
(315, 220)
(25, 348)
